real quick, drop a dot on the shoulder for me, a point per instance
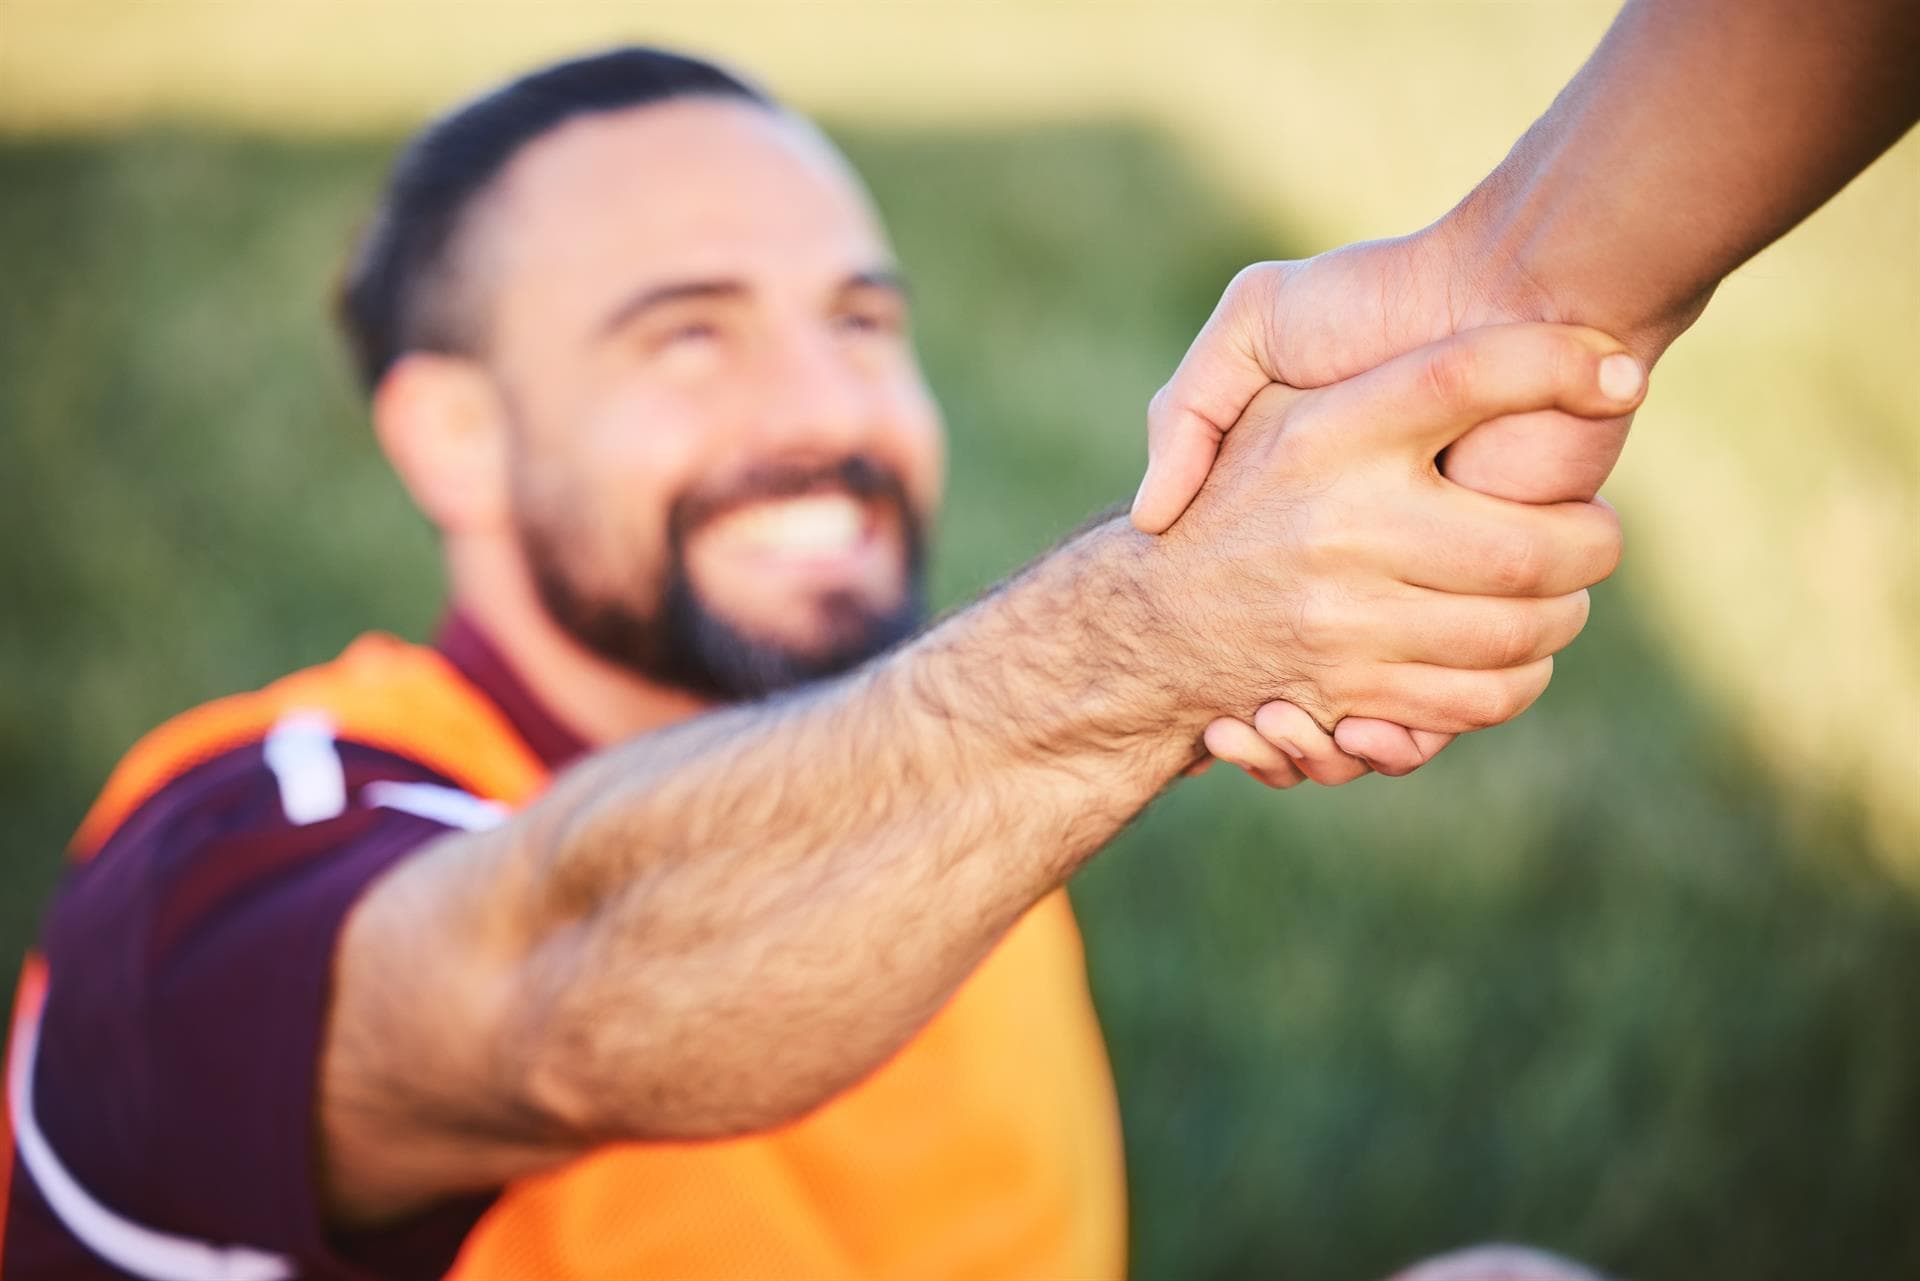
(381, 694)
(294, 807)
(189, 964)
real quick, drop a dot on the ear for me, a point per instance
(443, 425)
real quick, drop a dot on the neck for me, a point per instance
(599, 700)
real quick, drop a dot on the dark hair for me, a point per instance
(395, 296)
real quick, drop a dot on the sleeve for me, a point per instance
(189, 970)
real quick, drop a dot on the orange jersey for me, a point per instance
(988, 1147)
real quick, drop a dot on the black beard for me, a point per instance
(683, 644)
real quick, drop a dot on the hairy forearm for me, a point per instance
(1698, 132)
(732, 920)
(748, 913)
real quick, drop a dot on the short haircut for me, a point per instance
(398, 291)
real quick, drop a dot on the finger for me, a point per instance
(1449, 701)
(1542, 457)
(1198, 768)
(1236, 743)
(1430, 397)
(1471, 632)
(1311, 748)
(1391, 749)
(1187, 418)
(1185, 444)
(1455, 540)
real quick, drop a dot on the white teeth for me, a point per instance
(812, 524)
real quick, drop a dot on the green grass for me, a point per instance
(1599, 980)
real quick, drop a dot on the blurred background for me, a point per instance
(1630, 978)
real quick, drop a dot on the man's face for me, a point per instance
(725, 454)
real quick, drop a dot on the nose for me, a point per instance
(814, 397)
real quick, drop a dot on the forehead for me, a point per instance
(695, 186)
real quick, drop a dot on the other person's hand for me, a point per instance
(1282, 747)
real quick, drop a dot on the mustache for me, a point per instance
(857, 475)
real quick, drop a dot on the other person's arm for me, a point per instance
(714, 929)
(1697, 133)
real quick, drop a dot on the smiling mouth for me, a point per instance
(813, 527)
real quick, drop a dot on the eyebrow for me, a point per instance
(886, 278)
(684, 290)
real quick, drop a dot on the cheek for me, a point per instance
(615, 473)
(647, 445)
(914, 440)
(653, 445)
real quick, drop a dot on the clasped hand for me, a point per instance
(1330, 572)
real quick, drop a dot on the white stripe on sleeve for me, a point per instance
(301, 754)
(448, 805)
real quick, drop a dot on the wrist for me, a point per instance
(1081, 654)
(1209, 658)
(1479, 246)
(1503, 248)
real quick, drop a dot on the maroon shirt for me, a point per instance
(174, 1078)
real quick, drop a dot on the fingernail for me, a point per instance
(1291, 750)
(1621, 377)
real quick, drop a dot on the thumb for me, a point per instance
(1180, 452)
(1223, 370)
(1391, 749)
(1430, 397)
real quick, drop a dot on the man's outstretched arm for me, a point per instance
(713, 929)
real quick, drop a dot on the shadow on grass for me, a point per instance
(1593, 980)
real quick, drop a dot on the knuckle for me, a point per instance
(1326, 541)
(1519, 565)
(1482, 705)
(1579, 608)
(1552, 627)
(1510, 638)
(1566, 358)
(1492, 699)
(1526, 685)
(1319, 623)
(1324, 696)
(1449, 375)
(1325, 544)
(1160, 408)
(1253, 284)
(1608, 545)
(1512, 698)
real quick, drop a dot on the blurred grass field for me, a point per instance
(1628, 978)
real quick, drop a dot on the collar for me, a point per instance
(461, 642)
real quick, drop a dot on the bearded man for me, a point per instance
(686, 910)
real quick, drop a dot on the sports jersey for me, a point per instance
(163, 1060)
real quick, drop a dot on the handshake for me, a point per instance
(1385, 550)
